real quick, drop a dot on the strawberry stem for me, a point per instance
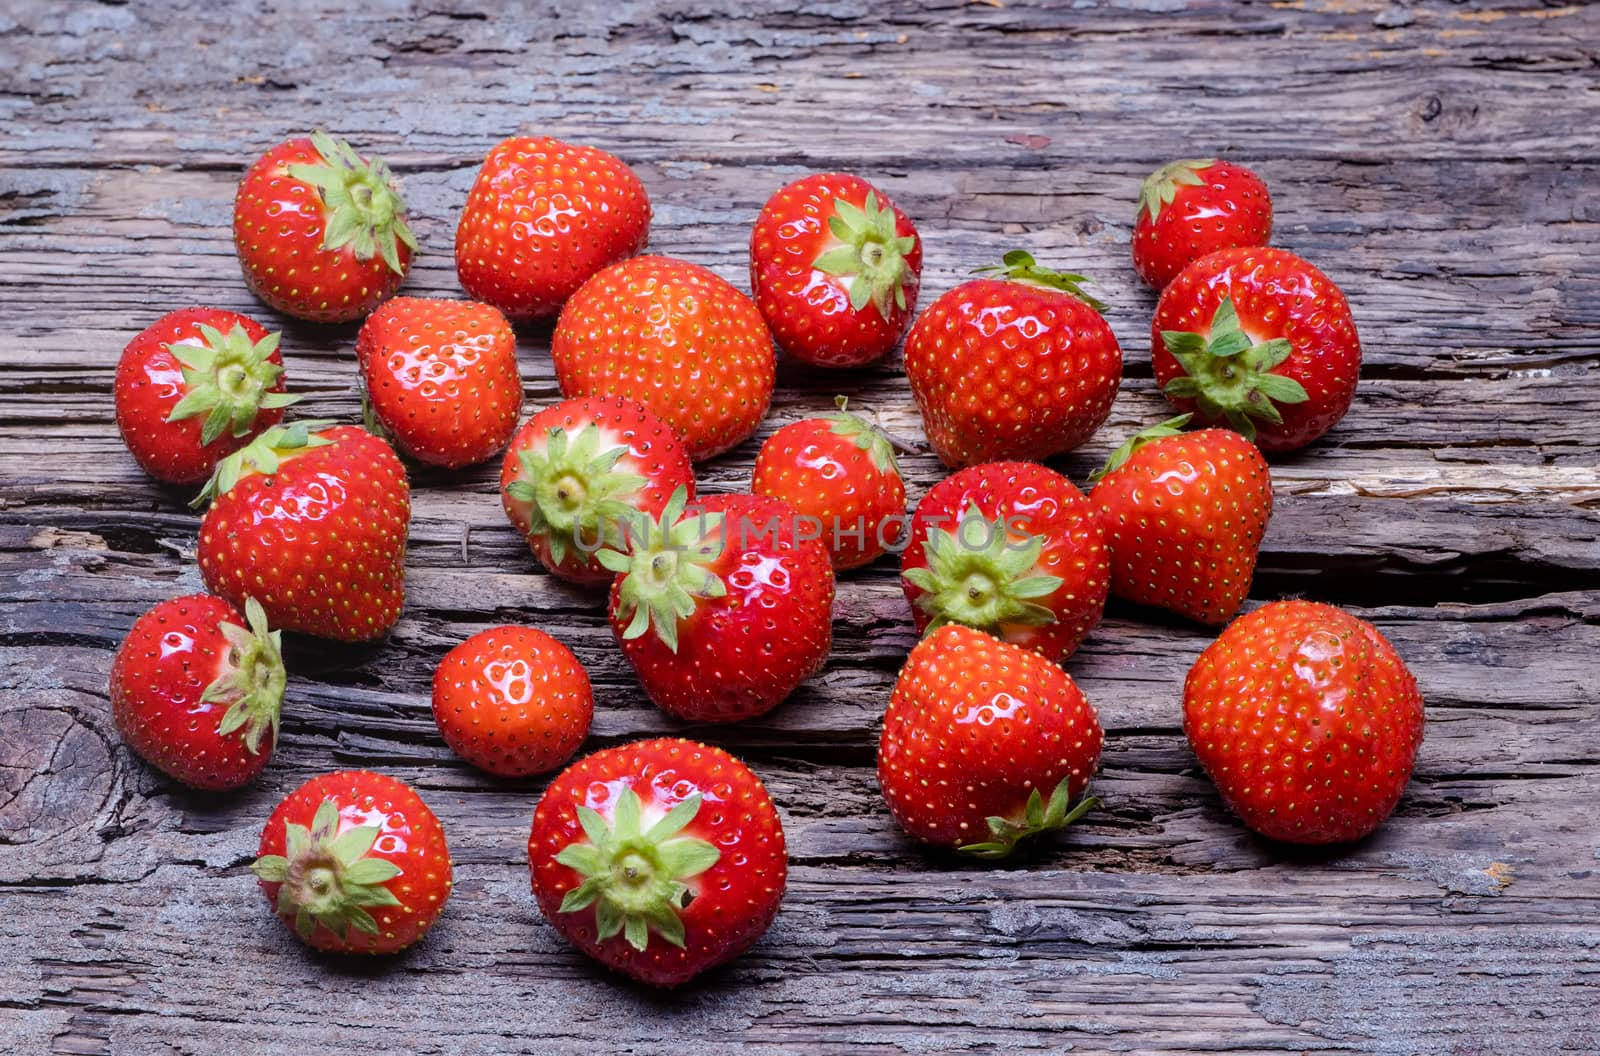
(666, 573)
(1229, 376)
(327, 877)
(574, 492)
(1019, 266)
(253, 680)
(364, 212)
(982, 576)
(227, 376)
(868, 251)
(1036, 818)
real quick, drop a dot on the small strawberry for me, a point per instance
(1183, 515)
(724, 609)
(1259, 340)
(542, 217)
(442, 378)
(1017, 367)
(978, 734)
(660, 859)
(1306, 719)
(195, 386)
(578, 470)
(512, 701)
(320, 231)
(1011, 548)
(835, 266)
(674, 337)
(355, 862)
(196, 688)
(1190, 208)
(310, 519)
(841, 473)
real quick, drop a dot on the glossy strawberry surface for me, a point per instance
(1188, 209)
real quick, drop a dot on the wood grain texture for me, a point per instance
(1436, 159)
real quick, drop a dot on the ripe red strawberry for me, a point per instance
(442, 378)
(978, 734)
(320, 231)
(355, 862)
(1306, 719)
(674, 337)
(724, 609)
(1190, 208)
(1259, 340)
(835, 266)
(576, 471)
(195, 386)
(196, 688)
(311, 520)
(1011, 548)
(660, 859)
(841, 473)
(1183, 515)
(1017, 367)
(542, 217)
(512, 701)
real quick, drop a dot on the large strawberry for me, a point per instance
(674, 337)
(1190, 208)
(985, 744)
(1183, 515)
(196, 688)
(659, 859)
(320, 231)
(541, 218)
(1012, 548)
(1258, 340)
(722, 609)
(841, 473)
(835, 266)
(355, 862)
(1017, 367)
(1307, 720)
(310, 519)
(577, 471)
(193, 387)
(442, 378)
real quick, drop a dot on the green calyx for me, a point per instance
(1037, 817)
(1229, 378)
(574, 493)
(880, 452)
(666, 572)
(635, 879)
(1019, 266)
(872, 254)
(981, 576)
(364, 212)
(1119, 457)
(328, 877)
(227, 376)
(252, 687)
(264, 454)
(1161, 187)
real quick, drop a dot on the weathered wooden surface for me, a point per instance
(1437, 159)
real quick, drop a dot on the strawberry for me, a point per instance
(1190, 208)
(1018, 367)
(196, 688)
(442, 378)
(723, 609)
(660, 859)
(311, 520)
(1011, 548)
(320, 231)
(978, 733)
(195, 386)
(512, 701)
(1259, 340)
(674, 337)
(355, 862)
(576, 471)
(835, 266)
(1183, 515)
(1306, 719)
(542, 217)
(841, 473)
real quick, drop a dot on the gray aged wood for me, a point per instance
(1437, 159)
